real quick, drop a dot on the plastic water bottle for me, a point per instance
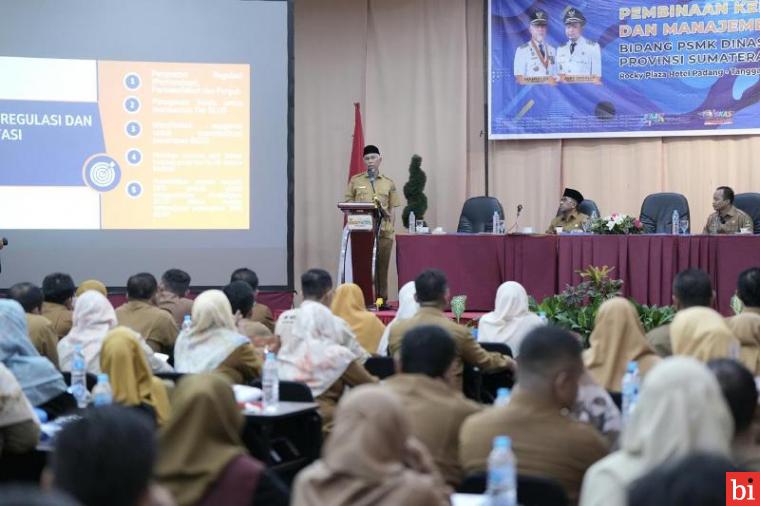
(631, 385)
(495, 223)
(502, 479)
(543, 318)
(502, 396)
(101, 394)
(412, 222)
(675, 221)
(187, 322)
(79, 377)
(270, 382)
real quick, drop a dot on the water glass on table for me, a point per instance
(683, 224)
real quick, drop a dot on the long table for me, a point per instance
(477, 264)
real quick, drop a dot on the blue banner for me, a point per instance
(604, 68)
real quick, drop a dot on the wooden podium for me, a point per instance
(361, 233)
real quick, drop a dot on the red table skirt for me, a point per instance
(477, 264)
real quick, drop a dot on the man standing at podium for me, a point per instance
(371, 186)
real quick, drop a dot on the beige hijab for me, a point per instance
(702, 333)
(618, 338)
(746, 328)
(681, 410)
(348, 304)
(202, 437)
(363, 462)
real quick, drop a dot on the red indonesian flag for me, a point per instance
(357, 150)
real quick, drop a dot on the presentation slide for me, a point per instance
(142, 136)
(137, 145)
(598, 68)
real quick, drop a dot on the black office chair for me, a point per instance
(382, 367)
(291, 391)
(657, 212)
(502, 348)
(90, 380)
(171, 376)
(531, 490)
(490, 383)
(617, 398)
(750, 204)
(477, 215)
(588, 207)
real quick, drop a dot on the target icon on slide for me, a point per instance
(101, 173)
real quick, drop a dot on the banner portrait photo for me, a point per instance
(603, 68)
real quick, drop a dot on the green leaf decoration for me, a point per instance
(458, 304)
(736, 304)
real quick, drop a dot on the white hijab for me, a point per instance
(309, 354)
(681, 410)
(212, 336)
(407, 307)
(511, 320)
(92, 319)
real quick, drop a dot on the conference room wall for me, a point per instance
(416, 66)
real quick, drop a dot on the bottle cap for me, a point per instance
(632, 366)
(503, 392)
(271, 356)
(187, 318)
(502, 442)
(102, 378)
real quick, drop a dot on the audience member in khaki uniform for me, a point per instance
(348, 304)
(19, 426)
(702, 333)
(746, 328)
(748, 290)
(568, 217)
(131, 380)
(317, 288)
(691, 288)
(740, 392)
(546, 440)
(58, 289)
(260, 313)
(618, 338)
(424, 387)
(680, 411)
(241, 298)
(141, 314)
(433, 295)
(41, 331)
(727, 219)
(172, 295)
(202, 460)
(372, 459)
(213, 343)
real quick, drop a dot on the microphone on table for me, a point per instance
(517, 218)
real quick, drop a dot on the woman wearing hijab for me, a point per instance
(511, 320)
(407, 307)
(746, 328)
(680, 411)
(371, 459)
(310, 355)
(213, 342)
(702, 333)
(202, 460)
(19, 426)
(132, 383)
(41, 382)
(617, 338)
(93, 318)
(348, 303)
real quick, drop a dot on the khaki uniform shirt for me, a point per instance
(242, 365)
(546, 442)
(262, 314)
(60, 316)
(260, 336)
(360, 190)
(734, 220)
(436, 414)
(43, 336)
(573, 221)
(155, 325)
(659, 340)
(354, 375)
(178, 307)
(468, 350)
